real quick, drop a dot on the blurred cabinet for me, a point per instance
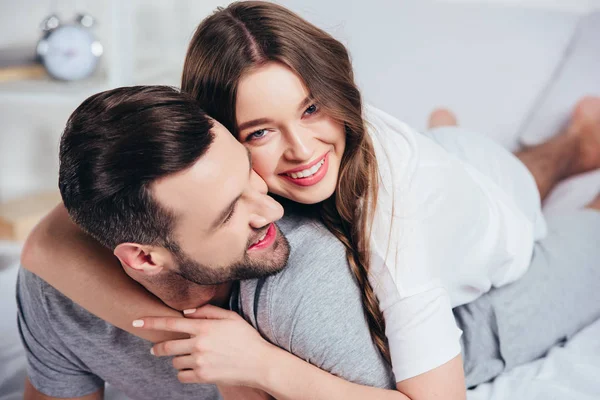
(19, 216)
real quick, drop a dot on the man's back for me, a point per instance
(72, 353)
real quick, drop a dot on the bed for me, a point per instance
(511, 73)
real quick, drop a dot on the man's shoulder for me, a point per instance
(316, 277)
(313, 307)
(313, 249)
(70, 348)
(64, 326)
(41, 300)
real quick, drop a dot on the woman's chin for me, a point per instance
(312, 195)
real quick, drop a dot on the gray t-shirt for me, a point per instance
(71, 353)
(312, 309)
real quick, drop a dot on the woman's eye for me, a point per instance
(311, 109)
(257, 135)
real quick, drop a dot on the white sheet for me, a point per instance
(569, 372)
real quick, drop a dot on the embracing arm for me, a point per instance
(63, 255)
(288, 377)
(224, 349)
(242, 393)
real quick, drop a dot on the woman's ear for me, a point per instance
(141, 258)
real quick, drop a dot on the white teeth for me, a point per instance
(307, 172)
(315, 168)
(261, 239)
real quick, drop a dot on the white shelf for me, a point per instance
(47, 89)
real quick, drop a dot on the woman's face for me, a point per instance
(296, 148)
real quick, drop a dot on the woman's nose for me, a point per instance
(298, 146)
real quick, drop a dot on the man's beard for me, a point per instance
(246, 268)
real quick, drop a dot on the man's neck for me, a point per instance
(182, 294)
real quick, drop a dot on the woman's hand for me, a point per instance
(223, 348)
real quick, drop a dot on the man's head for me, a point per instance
(148, 174)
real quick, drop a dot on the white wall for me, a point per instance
(567, 5)
(30, 125)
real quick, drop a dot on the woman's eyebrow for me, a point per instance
(261, 121)
(254, 122)
(307, 100)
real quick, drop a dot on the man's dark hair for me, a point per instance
(114, 146)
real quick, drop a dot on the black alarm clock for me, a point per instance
(69, 52)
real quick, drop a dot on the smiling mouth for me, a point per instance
(261, 238)
(308, 172)
(266, 239)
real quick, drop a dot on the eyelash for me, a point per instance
(229, 216)
(314, 112)
(252, 137)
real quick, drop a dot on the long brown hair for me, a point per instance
(246, 35)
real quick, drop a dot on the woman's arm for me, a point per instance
(286, 377)
(74, 263)
(242, 393)
(225, 349)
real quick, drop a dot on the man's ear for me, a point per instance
(142, 258)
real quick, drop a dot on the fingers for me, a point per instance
(185, 362)
(209, 312)
(174, 347)
(169, 324)
(190, 376)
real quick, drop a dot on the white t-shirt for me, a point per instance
(450, 223)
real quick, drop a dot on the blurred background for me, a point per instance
(489, 60)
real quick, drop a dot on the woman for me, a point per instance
(285, 89)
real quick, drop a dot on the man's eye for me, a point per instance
(257, 135)
(229, 216)
(311, 109)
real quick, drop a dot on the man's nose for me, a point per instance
(264, 208)
(257, 183)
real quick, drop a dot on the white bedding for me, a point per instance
(569, 372)
(499, 68)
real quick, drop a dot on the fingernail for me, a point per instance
(138, 323)
(189, 311)
(152, 350)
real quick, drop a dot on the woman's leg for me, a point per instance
(573, 151)
(441, 117)
(556, 298)
(499, 165)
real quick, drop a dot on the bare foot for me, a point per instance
(585, 125)
(595, 204)
(441, 117)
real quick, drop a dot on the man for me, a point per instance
(313, 311)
